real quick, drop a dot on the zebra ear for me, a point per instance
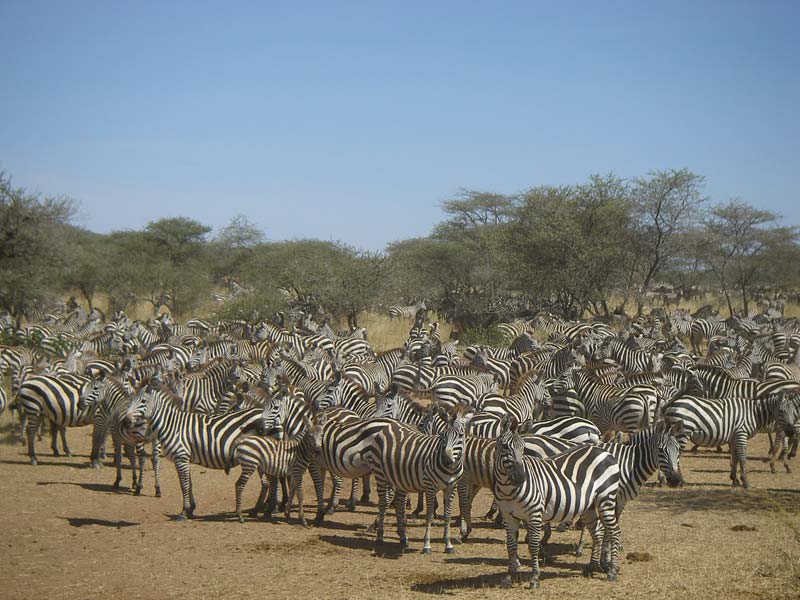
(676, 427)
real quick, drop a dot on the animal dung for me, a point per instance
(639, 556)
(742, 528)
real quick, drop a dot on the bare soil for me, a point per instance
(65, 533)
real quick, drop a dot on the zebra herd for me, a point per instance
(538, 422)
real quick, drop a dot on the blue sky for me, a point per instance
(354, 120)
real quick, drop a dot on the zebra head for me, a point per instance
(452, 437)
(386, 405)
(135, 423)
(787, 416)
(90, 393)
(669, 451)
(509, 452)
(332, 396)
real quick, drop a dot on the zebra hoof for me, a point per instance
(746, 485)
(115, 485)
(331, 509)
(34, 462)
(68, 454)
(578, 551)
(612, 576)
(181, 518)
(137, 491)
(351, 507)
(158, 492)
(426, 550)
(506, 582)
(241, 519)
(788, 469)
(534, 584)
(449, 550)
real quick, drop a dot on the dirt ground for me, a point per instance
(65, 533)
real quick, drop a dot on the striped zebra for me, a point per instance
(451, 392)
(111, 403)
(374, 377)
(631, 359)
(346, 441)
(201, 390)
(649, 450)
(733, 421)
(787, 422)
(57, 400)
(185, 437)
(705, 329)
(405, 312)
(277, 459)
(613, 409)
(479, 470)
(579, 483)
(408, 461)
(498, 367)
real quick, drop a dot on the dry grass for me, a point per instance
(67, 534)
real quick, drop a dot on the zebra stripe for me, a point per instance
(582, 482)
(186, 437)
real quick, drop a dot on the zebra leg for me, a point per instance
(247, 471)
(740, 443)
(430, 498)
(54, 439)
(262, 496)
(512, 528)
(776, 450)
(367, 490)
(185, 477)
(118, 462)
(534, 531)
(465, 505)
(140, 457)
(317, 478)
(581, 542)
(273, 498)
(98, 436)
(31, 426)
(420, 506)
(611, 535)
(335, 493)
(400, 511)
(492, 512)
(284, 492)
(354, 486)
(383, 501)
(156, 465)
(296, 488)
(63, 431)
(449, 496)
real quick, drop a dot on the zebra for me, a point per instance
(578, 483)
(615, 409)
(346, 441)
(410, 461)
(631, 359)
(649, 450)
(111, 402)
(787, 422)
(56, 399)
(185, 437)
(202, 389)
(374, 377)
(733, 421)
(479, 470)
(405, 312)
(701, 329)
(284, 458)
(453, 391)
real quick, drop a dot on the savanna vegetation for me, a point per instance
(607, 245)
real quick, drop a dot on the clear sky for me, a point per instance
(354, 120)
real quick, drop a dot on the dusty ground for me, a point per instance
(67, 534)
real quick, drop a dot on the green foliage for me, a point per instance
(32, 247)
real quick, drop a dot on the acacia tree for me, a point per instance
(666, 205)
(734, 240)
(571, 244)
(32, 247)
